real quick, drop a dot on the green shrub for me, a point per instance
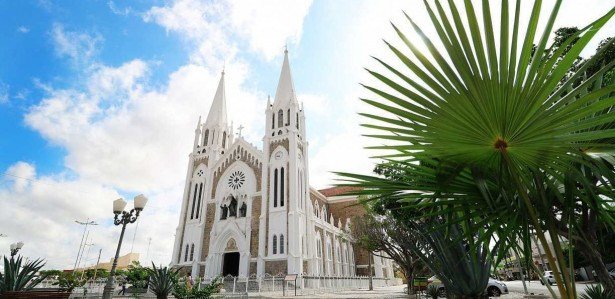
(162, 280)
(182, 291)
(432, 291)
(597, 292)
(20, 278)
(69, 281)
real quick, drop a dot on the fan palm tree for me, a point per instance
(494, 108)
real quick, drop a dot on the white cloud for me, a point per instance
(118, 11)
(208, 26)
(21, 173)
(23, 29)
(80, 47)
(269, 25)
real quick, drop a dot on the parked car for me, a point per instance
(495, 288)
(548, 277)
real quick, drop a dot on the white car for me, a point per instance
(495, 288)
(548, 277)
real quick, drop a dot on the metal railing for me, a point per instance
(305, 285)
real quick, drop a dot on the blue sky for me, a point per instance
(99, 99)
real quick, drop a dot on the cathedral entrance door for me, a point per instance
(230, 264)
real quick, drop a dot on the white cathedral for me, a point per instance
(247, 211)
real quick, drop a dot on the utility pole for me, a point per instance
(149, 242)
(369, 266)
(85, 262)
(80, 257)
(134, 236)
(85, 224)
(97, 262)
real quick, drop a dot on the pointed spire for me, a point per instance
(286, 88)
(217, 112)
(268, 101)
(198, 125)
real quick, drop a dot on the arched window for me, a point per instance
(243, 210)
(275, 188)
(192, 252)
(224, 139)
(288, 118)
(206, 137)
(297, 120)
(186, 253)
(274, 246)
(280, 118)
(273, 121)
(282, 187)
(196, 186)
(282, 244)
(198, 204)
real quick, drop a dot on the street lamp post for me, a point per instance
(122, 218)
(84, 223)
(15, 247)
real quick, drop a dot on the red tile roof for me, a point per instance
(337, 191)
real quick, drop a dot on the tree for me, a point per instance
(497, 118)
(391, 237)
(137, 275)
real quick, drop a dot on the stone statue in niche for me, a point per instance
(242, 210)
(224, 213)
(232, 207)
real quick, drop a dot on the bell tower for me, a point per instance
(216, 134)
(285, 179)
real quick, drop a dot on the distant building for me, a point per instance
(247, 211)
(122, 262)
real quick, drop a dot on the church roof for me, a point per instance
(337, 191)
(217, 112)
(286, 88)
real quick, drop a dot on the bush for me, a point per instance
(69, 281)
(432, 291)
(20, 278)
(597, 292)
(161, 281)
(182, 291)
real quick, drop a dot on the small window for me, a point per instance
(281, 244)
(275, 188)
(273, 121)
(280, 118)
(282, 187)
(206, 137)
(224, 139)
(288, 117)
(186, 253)
(297, 120)
(192, 252)
(275, 244)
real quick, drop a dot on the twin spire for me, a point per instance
(286, 88)
(217, 112)
(284, 94)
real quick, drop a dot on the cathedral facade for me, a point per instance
(247, 211)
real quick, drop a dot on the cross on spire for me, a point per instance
(239, 129)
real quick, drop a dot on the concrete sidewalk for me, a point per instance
(382, 292)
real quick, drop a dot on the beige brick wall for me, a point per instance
(276, 267)
(209, 222)
(256, 212)
(344, 210)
